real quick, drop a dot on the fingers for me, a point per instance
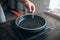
(33, 8)
(30, 6)
(29, 9)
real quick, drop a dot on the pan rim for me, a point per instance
(30, 28)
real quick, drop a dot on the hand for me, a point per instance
(30, 6)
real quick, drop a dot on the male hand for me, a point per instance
(30, 6)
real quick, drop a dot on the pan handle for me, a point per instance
(16, 13)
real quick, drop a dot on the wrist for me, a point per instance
(23, 1)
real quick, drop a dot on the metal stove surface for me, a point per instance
(30, 36)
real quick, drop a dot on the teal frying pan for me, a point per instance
(29, 24)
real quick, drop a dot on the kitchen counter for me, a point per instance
(52, 22)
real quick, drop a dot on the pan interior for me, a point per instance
(29, 22)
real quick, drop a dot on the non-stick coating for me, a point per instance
(29, 22)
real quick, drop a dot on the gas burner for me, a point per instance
(30, 36)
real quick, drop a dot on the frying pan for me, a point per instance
(29, 24)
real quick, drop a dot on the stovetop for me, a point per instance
(30, 36)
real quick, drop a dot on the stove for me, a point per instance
(29, 36)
